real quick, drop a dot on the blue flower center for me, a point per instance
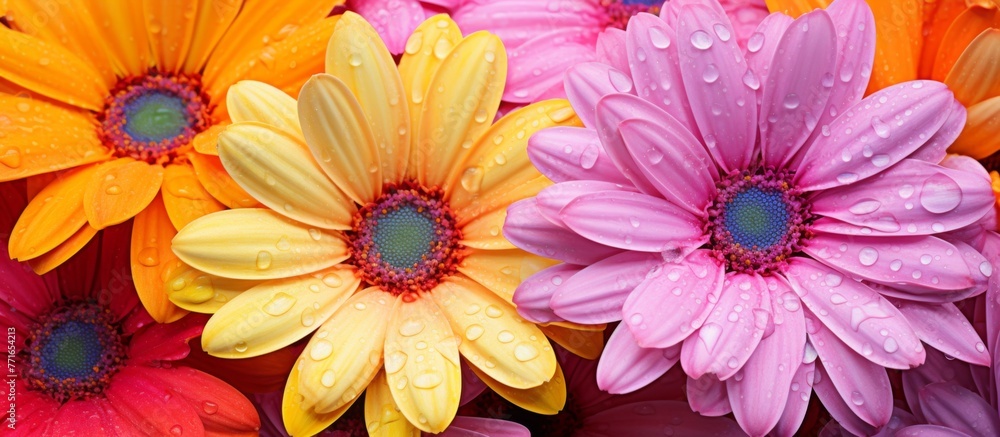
(155, 116)
(404, 236)
(757, 219)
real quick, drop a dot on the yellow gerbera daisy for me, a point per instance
(111, 109)
(386, 190)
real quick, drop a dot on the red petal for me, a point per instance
(141, 400)
(221, 407)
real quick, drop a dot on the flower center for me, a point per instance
(619, 11)
(153, 117)
(406, 240)
(74, 352)
(757, 221)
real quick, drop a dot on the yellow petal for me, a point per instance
(898, 42)
(547, 398)
(339, 137)
(201, 292)
(300, 421)
(501, 271)
(151, 259)
(976, 75)
(250, 100)
(218, 183)
(357, 56)
(495, 338)
(967, 26)
(278, 170)
(459, 107)
(981, 136)
(485, 232)
(52, 217)
(795, 8)
(184, 196)
(346, 352)
(212, 21)
(422, 364)
(429, 44)
(498, 172)
(277, 313)
(252, 243)
(64, 251)
(38, 137)
(119, 189)
(50, 69)
(382, 415)
(585, 343)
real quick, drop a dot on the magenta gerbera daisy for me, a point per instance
(743, 211)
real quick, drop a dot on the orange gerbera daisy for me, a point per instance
(103, 103)
(953, 41)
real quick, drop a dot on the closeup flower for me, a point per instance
(757, 213)
(89, 359)
(385, 191)
(112, 110)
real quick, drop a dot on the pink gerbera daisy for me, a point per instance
(744, 211)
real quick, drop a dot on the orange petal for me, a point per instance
(119, 190)
(585, 343)
(53, 216)
(122, 35)
(169, 31)
(51, 70)
(214, 18)
(976, 75)
(152, 260)
(981, 136)
(207, 141)
(218, 183)
(64, 251)
(794, 8)
(898, 42)
(184, 196)
(938, 16)
(966, 27)
(38, 137)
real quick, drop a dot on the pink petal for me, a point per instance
(655, 67)
(21, 288)
(673, 161)
(731, 331)
(658, 418)
(168, 342)
(863, 386)
(797, 89)
(761, 46)
(913, 197)
(464, 426)
(874, 134)
(472, 386)
(517, 21)
(526, 228)
(394, 20)
(857, 315)
(707, 395)
(674, 301)
(611, 48)
(625, 367)
(991, 250)
(533, 295)
(758, 391)
(632, 221)
(713, 68)
(945, 328)
(936, 148)
(937, 368)
(800, 390)
(899, 420)
(929, 431)
(952, 406)
(918, 265)
(141, 400)
(588, 82)
(539, 64)
(612, 110)
(552, 199)
(671, 11)
(564, 153)
(596, 294)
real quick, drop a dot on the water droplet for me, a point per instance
(241, 346)
(940, 194)
(589, 157)
(867, 256)
(890, 345)
(865, 206)
(620, 81)
(722, 32)
(659, 39)
(321, 350)
(985, 268)
(427, 380)
(733, 363)
(880, 160)
(333, 280)
(411, 327)
(505, 337)
(867, 350)
(837, 299)
(149, 257)
(847, 178)
(113, 190)
(881, 129)
(328, 379)
(490, 56)
(980, 347)
(525, 352)
(756, 42)
(709, 335)
(176, 430)
(701, 40)
(279, 304)
(711, 73)
(494, 311)
(481, 116)
(473, 332)
(263, 260)
(791, 100)
(750, 80)
(11, 157)
(354, 59)
(827, 80)
(472, 179)
(856, 398)
(394, 361)
(210, 407)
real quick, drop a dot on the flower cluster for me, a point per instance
(500, 217)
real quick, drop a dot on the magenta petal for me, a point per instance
(919, 265)
(731, 331)
(797, 88)
(632, 221)
(655, 67)
(912, 197)
(394, 20)
(936, 148)
(611, 48)
(991, 250)
(950, 405)
(625, 367)
(673, 161)
(860, 317)
(800, 390)
(464, 426)
(929, 431)
(553, 198)
(945, 328)
(673, 302)
(874, 134)
(21, 288)
(539, 65)
(757, 391)
(596, 294)
(587, 83)
(526, 228)
(564, 153)
(863, 385)
(707, 395)
(761, 46)
(655, 418)
(515, 22)
(937, 368)
(533, 295)
(713, 68)
(612, 110)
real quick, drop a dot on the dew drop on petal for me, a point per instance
(756, 42)
(867, 256)
(701, 40)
